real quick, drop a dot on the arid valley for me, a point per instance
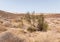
(15, 28)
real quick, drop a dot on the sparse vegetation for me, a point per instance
(30, 29)
(42, 25)
(28, 17)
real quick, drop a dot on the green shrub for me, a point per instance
(45, 26)
(42, 25)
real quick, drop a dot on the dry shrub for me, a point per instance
(30, 29)
(9, 37)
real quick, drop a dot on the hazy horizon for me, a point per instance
(41, 6)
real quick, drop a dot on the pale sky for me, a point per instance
(44, 6)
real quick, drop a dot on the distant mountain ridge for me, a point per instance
(13, 15)
(8, 14)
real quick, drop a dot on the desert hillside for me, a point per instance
(15, 27)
